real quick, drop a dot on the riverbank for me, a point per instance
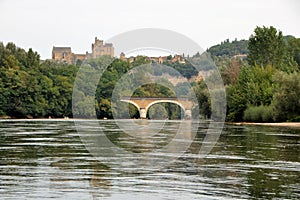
(279, 124)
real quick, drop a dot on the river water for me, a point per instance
(43, 159)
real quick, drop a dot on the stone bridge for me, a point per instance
(144, 103)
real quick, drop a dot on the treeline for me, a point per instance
(230, 49)
(31, 89)
(264, 87)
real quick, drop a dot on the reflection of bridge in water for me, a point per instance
(144, 103)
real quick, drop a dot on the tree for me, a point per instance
(254, 87)
(286, 99)
(231, 70)
(33, 59)
(267, 47)
(294, 49)
(203, 97)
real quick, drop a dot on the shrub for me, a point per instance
(295, 119)
(258, 114)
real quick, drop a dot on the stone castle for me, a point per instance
(99, 48)
(65, 54)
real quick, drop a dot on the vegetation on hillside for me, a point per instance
(229, 49)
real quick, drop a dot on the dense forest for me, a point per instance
(263, 87)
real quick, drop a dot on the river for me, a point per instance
(43, 159)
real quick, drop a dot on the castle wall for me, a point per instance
(64, 54)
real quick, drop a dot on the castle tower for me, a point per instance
(122, 56)
(101, 49)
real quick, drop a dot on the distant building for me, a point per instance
(65, 54)
(241, 56)
(178, 58)
(160, 59)
(62, 54)
(122, 57)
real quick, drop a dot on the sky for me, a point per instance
(42, 24)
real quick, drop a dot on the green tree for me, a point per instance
(32, 59)
(254, 87)
(140, 60)
(294, 49)
(267, 47)
(203, 97)
(286, 99)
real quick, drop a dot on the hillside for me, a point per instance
(230, 49)
(236, 47)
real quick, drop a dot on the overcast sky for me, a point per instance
(41, 24)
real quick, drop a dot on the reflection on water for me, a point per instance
(47, 159)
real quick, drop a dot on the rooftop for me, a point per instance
(68, 49)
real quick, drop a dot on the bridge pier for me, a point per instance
(143, 113)
(188, 114)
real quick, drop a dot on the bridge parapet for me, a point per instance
(155, 98)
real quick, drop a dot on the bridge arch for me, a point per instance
(134, 104)
(165, 101)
